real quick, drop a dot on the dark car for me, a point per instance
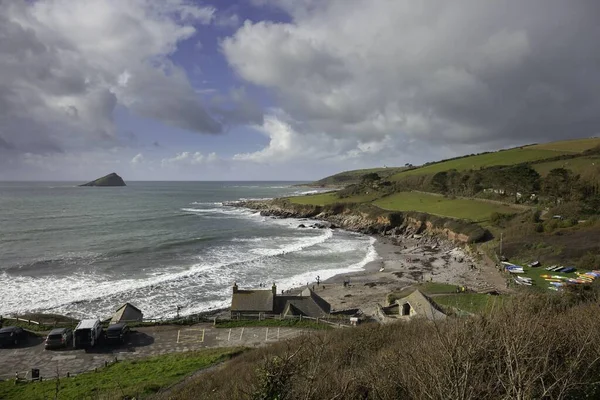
(117, 332)
(11, 336)
(59, 337)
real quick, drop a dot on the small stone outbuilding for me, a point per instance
(413, 305)
(127, 313)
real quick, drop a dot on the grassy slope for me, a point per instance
(474, 210)
(577, 165)
(330, 198)
(350, 177)
(126, 378)
(507, 157)
(571, 146)
(470, 302)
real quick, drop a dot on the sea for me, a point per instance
(84, 251)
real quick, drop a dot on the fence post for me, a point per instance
(300, 317)
(215, 321)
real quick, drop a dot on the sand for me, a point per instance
(406, 261)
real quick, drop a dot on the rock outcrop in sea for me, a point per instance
(109, 180)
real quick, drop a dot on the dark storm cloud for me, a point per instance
(467, 72)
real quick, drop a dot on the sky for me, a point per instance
(286, 89)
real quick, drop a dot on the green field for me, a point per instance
(474, 210)
(507, 157)
(571, 146)
(577, 165)
(125, 379)
(354, 176)
(330, 198)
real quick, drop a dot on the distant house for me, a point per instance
(261, 303)
(127, 313)
(414, 305)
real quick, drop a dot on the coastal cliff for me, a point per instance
(369, 219)
(109, 180)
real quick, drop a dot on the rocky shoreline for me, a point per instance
(370, 220)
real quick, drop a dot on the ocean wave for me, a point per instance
(301, 279)
(74, 291)
(295, 247)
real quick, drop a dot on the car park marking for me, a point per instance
(188, 336)
(59, 358)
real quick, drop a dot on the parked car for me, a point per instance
(11, 336)
(87, 333)
(117, 332)
(59, 337)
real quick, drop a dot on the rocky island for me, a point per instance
(109, 180)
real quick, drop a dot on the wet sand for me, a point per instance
(405, 261)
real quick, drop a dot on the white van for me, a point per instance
(87, 333)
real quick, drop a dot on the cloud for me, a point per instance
(287, 144)
(137, 159)
(428, 74)
(187, 158)
(66, 66)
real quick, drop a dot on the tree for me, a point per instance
(370, 177)
(559, 184)
(520, 179)
(439, 182)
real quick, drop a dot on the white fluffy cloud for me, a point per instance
(408, 74)
(66, 65)
(187, 158)
(137, 159)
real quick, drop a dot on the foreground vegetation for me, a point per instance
(536, 346)
(125, 379)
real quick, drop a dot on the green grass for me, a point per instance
(315, 199)
(474, 210)
(507, 157)
(470, 302)
(354, 176)
(572, 146)
(125, 379)
(577, 165)
(292, 323)
(331, 198)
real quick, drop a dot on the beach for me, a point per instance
(404, 261)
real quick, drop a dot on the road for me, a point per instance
(143, 342)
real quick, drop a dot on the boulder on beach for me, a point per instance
(109, 180)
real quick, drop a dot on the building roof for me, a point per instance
(422, 305)
(86, 324)
(121, 310)
(308, 303)
(124, 306)
(252, 300)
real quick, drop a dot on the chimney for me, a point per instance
(274, 289)
(235, 287)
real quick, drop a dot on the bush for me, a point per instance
(500, 219)
(517, 351)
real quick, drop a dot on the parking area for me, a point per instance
(142, 342)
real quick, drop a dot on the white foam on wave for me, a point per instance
(297, 245)
(23, 293)
(302, 279)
